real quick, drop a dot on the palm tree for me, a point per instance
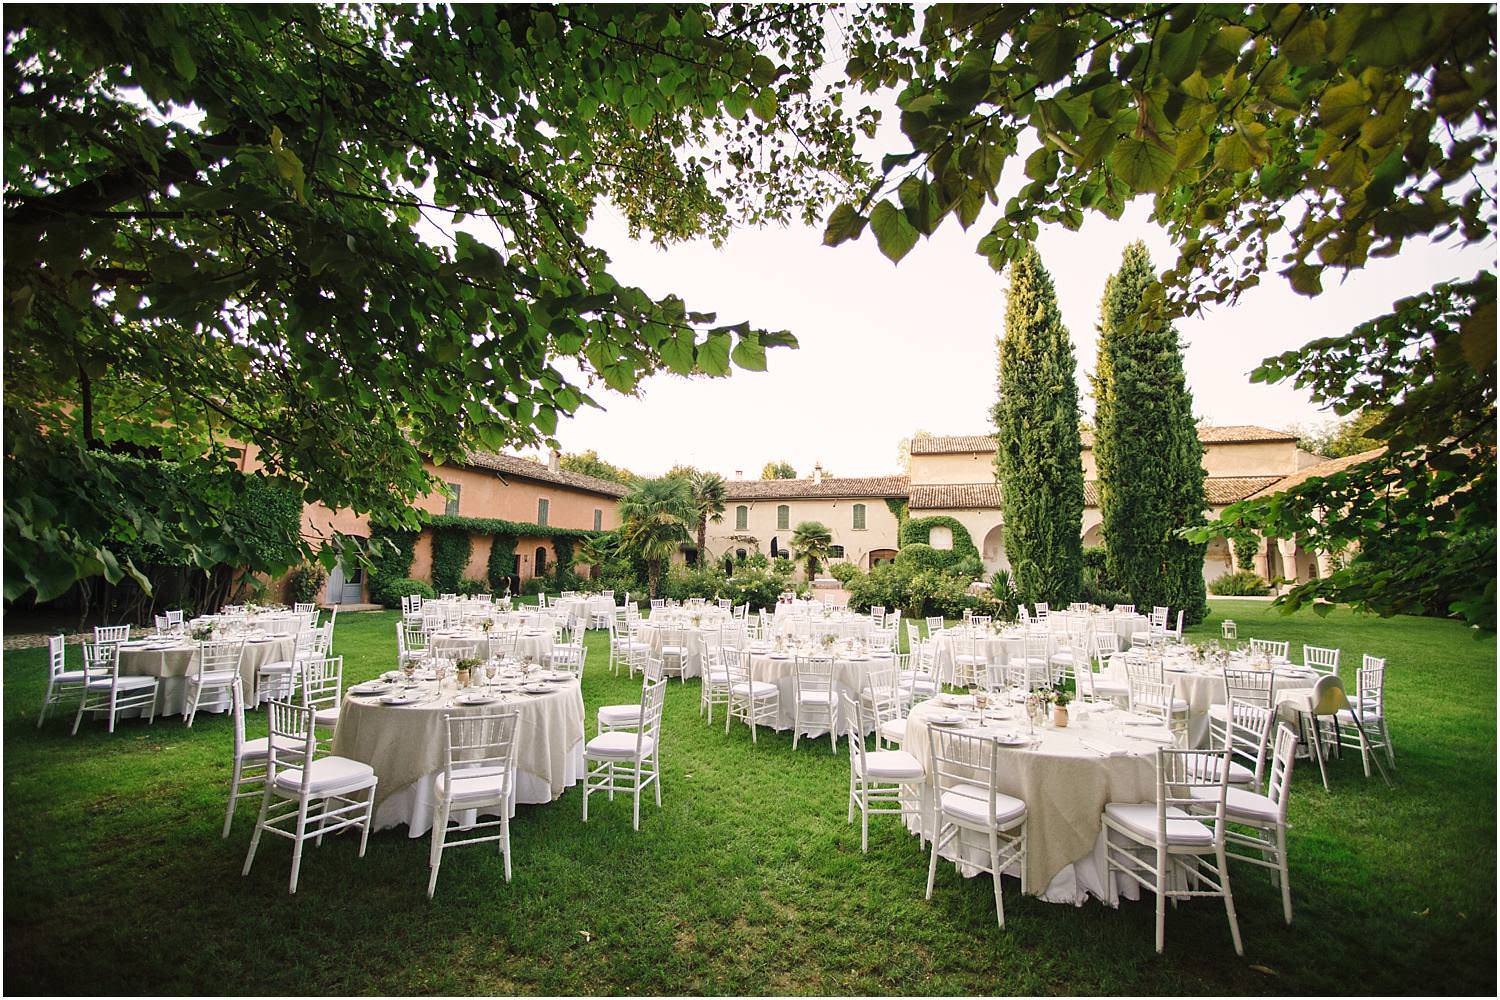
(813, 542)
(654, 519)
(708, 504)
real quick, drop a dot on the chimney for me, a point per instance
(554, 461)
(739, 473)
(817, 476)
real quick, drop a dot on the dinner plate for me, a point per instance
(1010, 739)
(777, 656)
(476, 699)
(399, 699)
(537, 688)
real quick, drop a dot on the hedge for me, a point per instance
(918, 532)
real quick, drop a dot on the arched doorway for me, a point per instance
(541, 561)
(992, 552)
(775, 550)
(1094, 537)
(878, 556)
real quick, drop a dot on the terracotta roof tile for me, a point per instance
(790, 489)
(510, 465)
(1327, 468)
(969, 496)
(952, 444)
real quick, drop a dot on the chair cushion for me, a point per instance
(474, 785)
(894, 730)
(1241, 805)
(756, 689)
(70, 677)
(1139, 818)
(329, 776)
(213, 678)
(893, 765)
(277, 667)
(326, 716)
(1110, 689)
(618, 746)
(256, 749)
(1346, 717)
(966, 803)
(128, 682)
(1239, 774)
(815, 697)
(619, 715)
(1178, 705)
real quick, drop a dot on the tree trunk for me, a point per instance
(702, 538)
(653, 578)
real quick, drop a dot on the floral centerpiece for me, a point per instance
(463, 670)
(1059, 697)
(201, 631)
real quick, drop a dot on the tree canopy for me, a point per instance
(1037, 454)
(588, 463)
(344, 239)
(778, 470)
(1146, 449)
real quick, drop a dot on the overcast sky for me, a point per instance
(889, 349)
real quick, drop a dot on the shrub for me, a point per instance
(684, 582)
(472, 587)
(536, 585)
(390, 558)
(1242, 583)
(394, 590)
(843, 572)
(1003, 592)
(756, 560)
(502, 563)
(304, 583)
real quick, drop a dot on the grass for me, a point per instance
(747, 880)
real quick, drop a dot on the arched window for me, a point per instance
(859, 517)
(741, 517)
(775, 549)
(783, 517)
(541, 561)
(739, 554)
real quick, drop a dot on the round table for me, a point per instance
(174, 662)
(1065, 781)
(535, 643)
(584, 609)
(694, 638)
(404, 744)
(1201, 687)
(998, 649)
(849, 675)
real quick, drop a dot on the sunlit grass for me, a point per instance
(747, 880)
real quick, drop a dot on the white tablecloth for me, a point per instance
(1201, 687)
(1065, 786)
(582, 609)
(533, 643)
(694, 638)
(174, 664)
(404, 744)
(848, 678)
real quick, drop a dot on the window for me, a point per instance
(541, 559)
(859, 517)
(598, 519)
(783, 517)
(941, 537)
(541, 511)
(741, 517)
(739, 553)
(451, 507)
(835, 552)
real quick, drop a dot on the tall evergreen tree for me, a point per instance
(1146, 448)
(1037, 460)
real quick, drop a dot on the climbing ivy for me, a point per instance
(502, 564)
(918, 532)
(391, 553)
(450, 554)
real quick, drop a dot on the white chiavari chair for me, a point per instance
(882, 698)
(1270, 647)
(623, 761)
(971, 811)
(881, 782)
(714, 689)
(1257, 821)
(813, 701)
(934, 625)
(1174, 846)
(61, 682)
(323, 690)
(108, 691)
(218, 671)
(1320, 658)
(296, 780)
(1248, 687)
(756, 703)
(673, 652)
(479, 773)
(249, 765)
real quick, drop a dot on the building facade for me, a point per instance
(954, 476)
(502, 487)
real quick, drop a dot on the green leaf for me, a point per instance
(843, 225)
(749, 354)
(1143, 165)
(678, 353)
(893, 232)
(765, 104)
(713, 354)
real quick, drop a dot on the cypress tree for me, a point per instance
(1037, 459)
(1146, 447)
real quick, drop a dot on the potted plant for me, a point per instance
(463, 669)
(1060, 698)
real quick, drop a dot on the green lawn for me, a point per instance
(746, 881)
